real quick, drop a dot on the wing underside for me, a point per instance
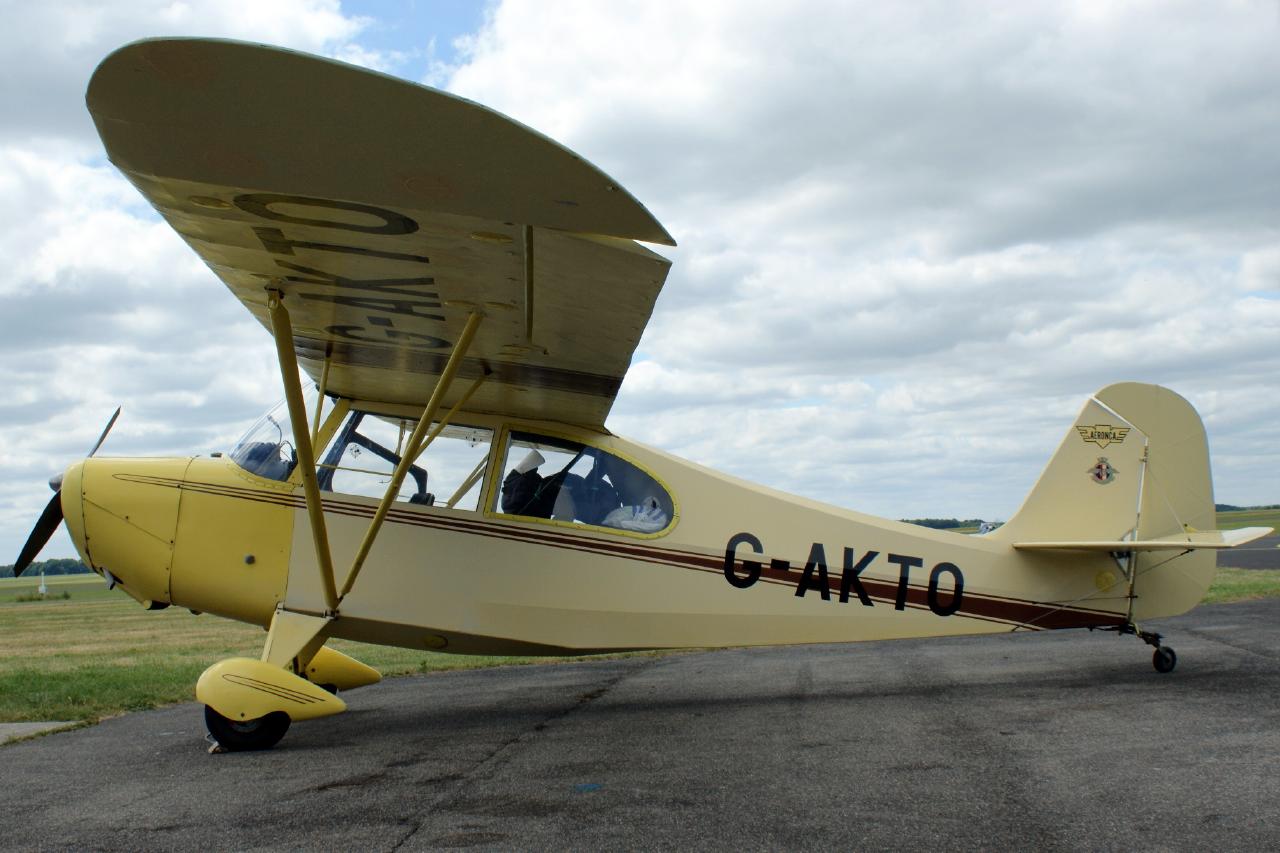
(387, 213)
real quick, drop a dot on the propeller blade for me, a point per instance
(49, 521)
(103, 437)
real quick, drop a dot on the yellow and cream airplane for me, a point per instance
(466, 295)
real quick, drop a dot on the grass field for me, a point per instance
(96, 653)
(1243, 585)
(1249, 518)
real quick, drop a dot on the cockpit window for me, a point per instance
(368, 447)
(267, 448)
(562, 480)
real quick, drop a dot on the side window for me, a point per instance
(562, 480)
(368, 448)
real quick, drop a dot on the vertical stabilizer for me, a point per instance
(1133, 465)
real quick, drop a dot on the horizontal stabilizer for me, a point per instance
(1190, 540)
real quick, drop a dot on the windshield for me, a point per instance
(267, 448)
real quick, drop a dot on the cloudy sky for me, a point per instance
(914, 237)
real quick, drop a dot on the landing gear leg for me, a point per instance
(1164, 659)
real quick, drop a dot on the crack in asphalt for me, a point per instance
(1212, 637)
(503, 750)
(999, 766)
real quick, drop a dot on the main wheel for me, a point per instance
(1164, 660)
(243, 735)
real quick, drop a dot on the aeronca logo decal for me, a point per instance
(742, 563)
(1103, 434)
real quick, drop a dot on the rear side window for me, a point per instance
(562, 480)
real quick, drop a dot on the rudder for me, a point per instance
(1133, 466)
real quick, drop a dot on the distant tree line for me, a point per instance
(949, 523)
(49, 567)
(944, 523)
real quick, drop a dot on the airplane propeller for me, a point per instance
(52, 515)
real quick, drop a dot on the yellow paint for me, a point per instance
(130, 515)
(247, 689)
(282, 329)
(232, 556)
(330, 666)
(293, 635)
(325, 434)
(73, 508)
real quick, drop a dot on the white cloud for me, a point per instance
(50, 49)
(102, 303)
(1260, 270)
(978, 216)
(913, 236)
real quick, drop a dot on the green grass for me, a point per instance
(62, 595)
(80, 587)
(1243, 585)
(1249, 518)
(98, 653)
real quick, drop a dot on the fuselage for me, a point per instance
(735, 564)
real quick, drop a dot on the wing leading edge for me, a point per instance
(387, 213)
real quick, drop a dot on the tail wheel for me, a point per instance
(244, 735)
(1164, 659)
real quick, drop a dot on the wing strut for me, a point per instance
(415, 441)
(471, 480)
(448, 418)
(282, 329)
(320, 391)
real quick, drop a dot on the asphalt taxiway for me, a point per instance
(1057, 741)
(1261, 553)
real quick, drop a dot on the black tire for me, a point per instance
(244, 735)
(1164, 659)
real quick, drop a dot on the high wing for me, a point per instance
(387, 213)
